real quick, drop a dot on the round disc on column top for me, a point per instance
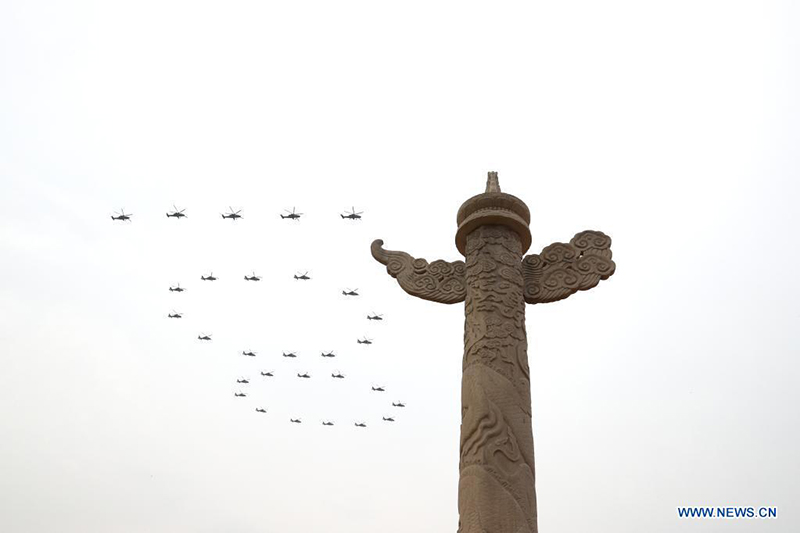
(493, 207)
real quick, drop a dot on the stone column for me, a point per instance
(496, 491)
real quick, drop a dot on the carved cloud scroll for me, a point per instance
(438, 281)
(560, 269)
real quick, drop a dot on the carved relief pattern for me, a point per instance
(496, 489)
(439, 281)
(564, 269)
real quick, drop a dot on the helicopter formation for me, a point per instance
(336, 374)
(206, 338)
(234, 214)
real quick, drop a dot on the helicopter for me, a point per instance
(337, 375)
(303, 375)
(210, 277)
(352, 215)
(268, 374)
(122, 216)
(249, 353)
(349, 292)
(388, 419)
(232, 215)
(365, 341)
(175, 315)
(302, 276)
(378, 389)
(398, 404)
(361, 425)
(290, 354)
(329, 354)
(292, 215)
(177, 288)
(240, 394)
(374, 316)
(252, 278)
(178, 214)
(243, 380)
(327, 423)
(296, 420)
(260, 410)
(204, 337)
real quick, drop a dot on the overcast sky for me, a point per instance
(671, 126)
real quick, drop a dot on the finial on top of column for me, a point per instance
(493, 207)
(492, 183)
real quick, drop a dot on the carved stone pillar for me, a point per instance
(496, 492)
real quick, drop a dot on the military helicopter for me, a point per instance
(177, 288)
(252, 278)
(177, 213)
(268, 374)
(232, 215)
(290, 354)
(349, 292)
(398, 404)
(352, 215)
(175, 315)
(292, 215)
(364, 341)
(388, 419)
(210, 277)
(378, 389)
(374, 316)
(337, 375)
(240, 394)
(243, 380)
(122, 216)
(327, 423)
(303, 375)
(329, 354)
(302, 276)
(260, 410)
(296, 420)
(204, 337)
(360, 425)
(249, 353)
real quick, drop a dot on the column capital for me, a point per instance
(493, 207)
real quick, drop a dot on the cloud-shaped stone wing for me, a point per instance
(439, 281)
(563, 269)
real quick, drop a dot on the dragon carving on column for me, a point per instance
(497, 476)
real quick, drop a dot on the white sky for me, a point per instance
(671, 126)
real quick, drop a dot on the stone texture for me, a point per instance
(496, 492)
